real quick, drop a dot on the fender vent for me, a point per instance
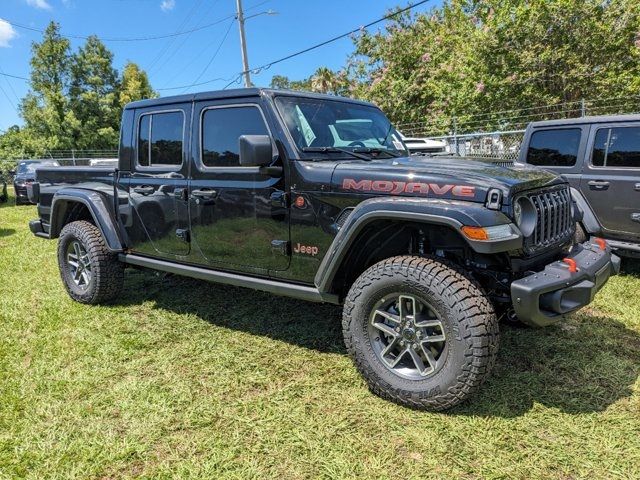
(342, 218)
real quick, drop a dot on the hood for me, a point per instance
(438, 177)
(25, 177)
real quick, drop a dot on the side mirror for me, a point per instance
(255, 150)
(12, 173)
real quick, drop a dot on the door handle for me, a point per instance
(637, 187)
(598, 184)
(205, 193)
(144, 190)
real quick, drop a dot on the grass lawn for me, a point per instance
(184, 379)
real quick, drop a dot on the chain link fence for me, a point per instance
(498, 135)
(502, 147)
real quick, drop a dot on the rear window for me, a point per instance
(554, 148)
(617, 147)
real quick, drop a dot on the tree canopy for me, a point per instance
(470, 57)
(76, 98)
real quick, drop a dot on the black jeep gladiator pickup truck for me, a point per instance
(316, 197)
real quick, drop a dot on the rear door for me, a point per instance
(239, 216)
(611, 178)
(158, 182)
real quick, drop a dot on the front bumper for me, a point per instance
(545, 297)
(21, 193)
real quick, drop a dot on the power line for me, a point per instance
(11, 87)
(215, 54)
(130, 39)
(338, 37)
(300, 52)
(15, 76)
(171, 41)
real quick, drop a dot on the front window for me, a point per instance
(554, 148)
(221, 129)
(320, 123)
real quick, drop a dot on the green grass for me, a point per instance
(184, 379)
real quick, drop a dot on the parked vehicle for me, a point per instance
(253, 188)
(423, 146)
(4, 195)
(25, 174)
(600, 158)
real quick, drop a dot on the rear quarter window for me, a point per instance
(554, 148)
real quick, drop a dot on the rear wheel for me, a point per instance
(90, 272)
(420, 332)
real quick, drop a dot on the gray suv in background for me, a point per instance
(600, 157)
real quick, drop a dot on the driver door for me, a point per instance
(239, 217)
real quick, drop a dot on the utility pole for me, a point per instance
(243, 46)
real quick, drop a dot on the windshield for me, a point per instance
(319, 123)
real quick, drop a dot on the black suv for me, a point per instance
(600, 157)
(316, 197)
(25, 174)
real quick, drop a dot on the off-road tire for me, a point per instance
(468, 320)
(107, 272)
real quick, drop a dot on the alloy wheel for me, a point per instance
(408, 336)
(79, 265)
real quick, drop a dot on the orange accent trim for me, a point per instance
(602, 243)
(475, 233)
(573, 266)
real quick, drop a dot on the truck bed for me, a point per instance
(52, 179)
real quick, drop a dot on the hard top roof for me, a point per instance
(586, 120)
(235, 93)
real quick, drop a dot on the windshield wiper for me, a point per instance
(335, 150)
(377, 150)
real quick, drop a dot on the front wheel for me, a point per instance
(90, 272)
(420, 332)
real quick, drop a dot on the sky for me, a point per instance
(190, 58)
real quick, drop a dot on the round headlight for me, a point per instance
(526, 215)
(517, 213)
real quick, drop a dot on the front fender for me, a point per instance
(451, 213)
(99, 207)
(589, 219)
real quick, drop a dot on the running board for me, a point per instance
(301, 292)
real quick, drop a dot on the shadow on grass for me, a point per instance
(630, 266)
(6, 232)
(580, 366)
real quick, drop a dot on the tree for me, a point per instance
(94, 96)
(134, 85)
(323, 80)
(45, 109)
(282, 82)
(470, 57)
(75, 101)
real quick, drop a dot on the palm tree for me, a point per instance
(324, 80)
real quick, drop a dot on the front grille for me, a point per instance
(554, 225)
